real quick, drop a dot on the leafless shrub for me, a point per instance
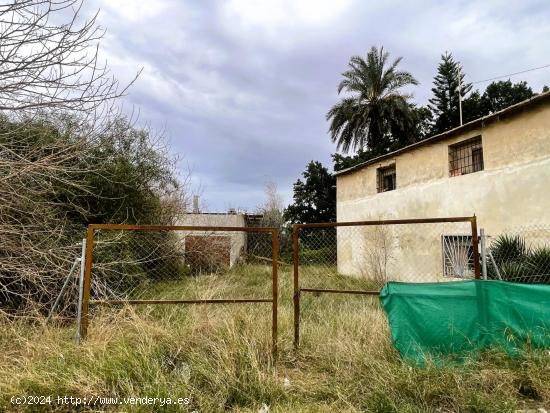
(272, 208)
(67, 157)
(377, 253)
(35, 236)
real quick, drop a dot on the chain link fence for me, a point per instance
(410, 252)
(128, 264)
(518, 255)
(153, 265)
(133, 264)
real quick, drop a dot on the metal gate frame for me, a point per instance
(86, 302)
(298, 289)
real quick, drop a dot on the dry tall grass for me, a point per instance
(219, 357)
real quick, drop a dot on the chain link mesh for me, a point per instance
(419, 252)
(158, 265)
(519, 255)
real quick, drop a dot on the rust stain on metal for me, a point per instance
(127, 227)
(175, 301)
(384, 222)
(325, 290)
(87, 276)
(296, 283)
(275, 289)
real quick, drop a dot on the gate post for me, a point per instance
(80, 291)
(87, 275)
(483, 253)
(275, 292)
(475, 246)
(295, 234)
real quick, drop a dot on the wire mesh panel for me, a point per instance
(519, 255)
(375, 252)
(128, 264)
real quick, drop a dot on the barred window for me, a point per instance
(458, 256)
(386, 178)
(466, 157)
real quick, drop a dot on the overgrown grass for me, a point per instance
(219, 357)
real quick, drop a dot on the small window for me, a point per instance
(458, 256)
(386, 178)
(466, 157)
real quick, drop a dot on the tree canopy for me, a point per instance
(67, 158)
(314, 197)
(418, 129)
(353, 119)
(375, 110)
(497, 96)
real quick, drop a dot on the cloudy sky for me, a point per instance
(241, 87)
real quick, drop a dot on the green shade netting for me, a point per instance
(428, 319)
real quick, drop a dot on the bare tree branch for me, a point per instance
(44, 64)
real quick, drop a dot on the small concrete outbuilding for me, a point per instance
(224, 247)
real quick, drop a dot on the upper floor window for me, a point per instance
(466, 157)
(386, 178)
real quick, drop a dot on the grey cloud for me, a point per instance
(245, 103)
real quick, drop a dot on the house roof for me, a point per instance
(474, 124)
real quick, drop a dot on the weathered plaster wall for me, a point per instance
(512, 191)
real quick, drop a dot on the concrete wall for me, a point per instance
(512, 191)
(237, 239)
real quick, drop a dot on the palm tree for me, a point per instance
(375, 106)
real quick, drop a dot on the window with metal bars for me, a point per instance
(458, 256)
(386, 178)
(466, 157)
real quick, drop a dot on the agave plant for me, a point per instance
(514, 271)
(509, 248)
(539, 262)
(515, 261)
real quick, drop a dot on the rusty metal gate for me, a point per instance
(424, 250)
(120, 258)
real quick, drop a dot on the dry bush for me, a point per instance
(67, 157)
(37, 245)
(377, 249)
(54, 180)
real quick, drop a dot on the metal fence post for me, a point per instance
(65, 284)
(80, 291)
(275, 292)
(87, 282)
(475, 246)
(483, 253)
(295, 235)
(495, 266)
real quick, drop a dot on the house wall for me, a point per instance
(237, 239)
(511, 192)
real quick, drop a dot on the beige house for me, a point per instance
(496, 167)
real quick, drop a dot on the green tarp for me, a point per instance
(432, 319)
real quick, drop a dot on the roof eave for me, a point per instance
(479, 122)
